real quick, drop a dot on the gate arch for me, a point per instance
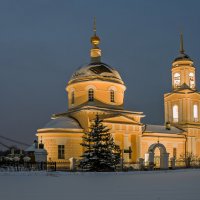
(157, 145)
(164, 156)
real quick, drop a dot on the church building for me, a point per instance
(98, 88)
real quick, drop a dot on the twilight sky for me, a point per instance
(42, 42)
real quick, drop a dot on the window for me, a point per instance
(73, 97)
(130, 153)
(177, 80)
(112, 96)
(175, 113)
(174, 152)
(91, 95)
(61, 152)
(191, 80)
(195, 112)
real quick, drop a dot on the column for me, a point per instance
(164, 159)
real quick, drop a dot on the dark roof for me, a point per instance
(183, 56)
(96, 70)
(149, 128)
(63, 122)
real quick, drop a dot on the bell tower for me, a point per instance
(183, 102)
(183, 71)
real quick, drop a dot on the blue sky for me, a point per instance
(42, 42)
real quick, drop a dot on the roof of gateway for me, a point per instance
(161, 129)
(63, 122)
(30, 148)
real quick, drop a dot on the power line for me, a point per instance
(4, 145)
(15, 141)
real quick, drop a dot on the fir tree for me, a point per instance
(101, 153)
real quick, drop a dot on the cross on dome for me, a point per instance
(95, 52)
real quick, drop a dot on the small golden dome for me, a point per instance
(95, 40)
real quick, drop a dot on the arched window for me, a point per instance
(112, 96)
(73, 98)
(177, 80)
(175, 113)
(191, 80)
(195, 112)
(90, 94)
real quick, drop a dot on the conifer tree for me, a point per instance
(101, 153)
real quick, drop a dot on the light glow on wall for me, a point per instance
(191, 79)
(175, 113)
(195, 112)
(177, 80)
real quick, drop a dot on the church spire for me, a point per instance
(181, 44)
(95, 52)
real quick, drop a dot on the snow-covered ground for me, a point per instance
(156, 185)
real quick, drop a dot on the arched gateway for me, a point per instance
(164, 156)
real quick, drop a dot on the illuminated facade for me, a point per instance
(98, 88)
(182, 104)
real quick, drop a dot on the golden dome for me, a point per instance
(95, 40)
